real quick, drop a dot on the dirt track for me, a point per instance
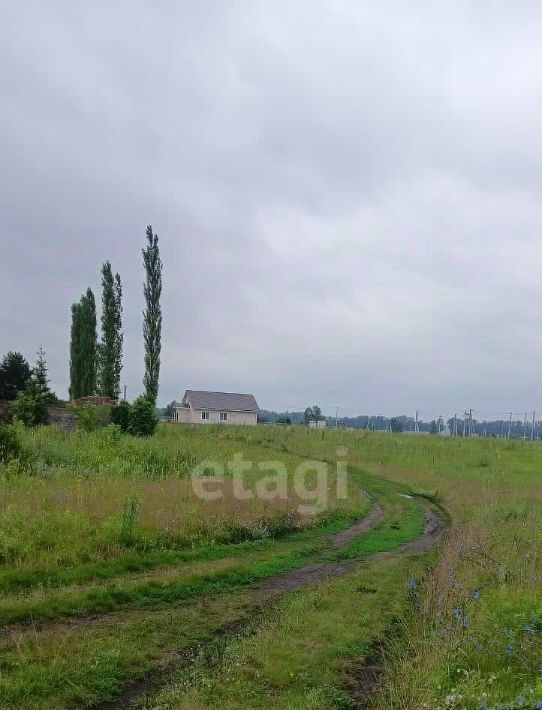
(318, 571)
(365, 678)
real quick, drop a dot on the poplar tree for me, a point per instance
(75, 352)
(110, 348)
(83, 347)
(152, 315)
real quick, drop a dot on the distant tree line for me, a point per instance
(403, 423)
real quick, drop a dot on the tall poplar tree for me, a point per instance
(75, 352)
(83, 347)
(110, 348)
(152, 315)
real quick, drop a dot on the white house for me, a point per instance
(216, 408)
(317, 423)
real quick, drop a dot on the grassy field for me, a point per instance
(115, 578)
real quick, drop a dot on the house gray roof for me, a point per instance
(221, 401)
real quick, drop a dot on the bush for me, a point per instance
(121, 415)
(143, 420)
(9, 444)
(91, 417)
(30, 405)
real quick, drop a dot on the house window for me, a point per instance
(223, 416)
(205, 415)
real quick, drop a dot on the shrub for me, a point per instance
(143, 420)
(9, 444)
(87, 418)
(120, 415)
(113, 434)
(30, 405)
(91, 417)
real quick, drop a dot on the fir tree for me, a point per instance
(14, 374)
(40, 375)
(152, 315)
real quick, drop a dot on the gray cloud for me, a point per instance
(347, 194)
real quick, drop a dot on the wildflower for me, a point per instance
(509, 650)
(529, 629)
(520, 700)
(538, 705)
(484, 705)
(475, 594)
(458, 613)
(411, 584)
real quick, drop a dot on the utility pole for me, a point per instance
(455, 424)
(124, 393)
(532, 427)
(464, 422)
(416, 424)
(509, 425)
(337, 417)
(524, 426)
(471, 429)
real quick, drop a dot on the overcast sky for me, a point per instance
(348, 194)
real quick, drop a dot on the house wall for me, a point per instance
(187, 415)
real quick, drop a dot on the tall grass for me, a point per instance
(473, 637)
(86, 497)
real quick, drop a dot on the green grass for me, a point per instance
(402, 521)
(300, 655)
(396, 530)
(13, 581)
(71, 503)
(492, 491)
(73, 542)
(66, 665)
(135, 583)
